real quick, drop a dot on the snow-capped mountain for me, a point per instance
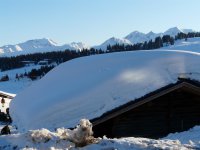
(136, 37)
(29, 45)
(151, 35)
(139, 37)
(38, 45)
(188, 30)
(175, 30)
(45, 45)
(113, 41)
(76, 46)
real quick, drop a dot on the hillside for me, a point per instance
(191, 44)
(13, 85)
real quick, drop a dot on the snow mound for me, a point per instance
(187, 137)
(173, 31)
(139, 37)
(39, 136)
(88, 87)
(45, 139)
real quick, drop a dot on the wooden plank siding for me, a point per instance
(173, 111)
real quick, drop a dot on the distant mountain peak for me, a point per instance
(174, 28)
(150, 33)
(112, 41)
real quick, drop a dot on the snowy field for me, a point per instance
(192, 44)
(13, 85)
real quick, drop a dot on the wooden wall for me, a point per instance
(173, 112)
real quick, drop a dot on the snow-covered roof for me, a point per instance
(9, 95)
(88, 87)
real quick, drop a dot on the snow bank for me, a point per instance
(44, 139)
(88, 87)
(191, 136)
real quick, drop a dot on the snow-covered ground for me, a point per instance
(62, 139)
(192, 44)
(13, 85)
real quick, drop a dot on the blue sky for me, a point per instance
(92, 21)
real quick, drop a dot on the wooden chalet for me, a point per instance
(173, 108)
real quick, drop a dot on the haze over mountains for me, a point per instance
(46, 45)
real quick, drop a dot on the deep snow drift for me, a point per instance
(87, 87)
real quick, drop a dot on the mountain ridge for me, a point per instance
(39, 45)
(140, 37)
(46, 44)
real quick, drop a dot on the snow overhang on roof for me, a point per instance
(7, 95)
